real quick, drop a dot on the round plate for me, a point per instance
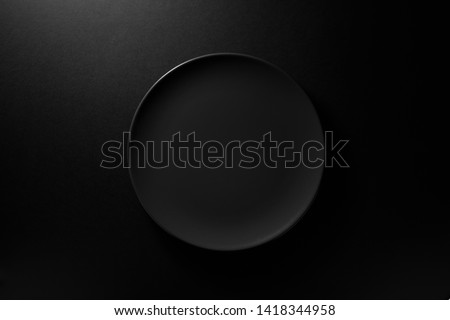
(224, 205)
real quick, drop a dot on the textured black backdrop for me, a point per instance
(71, 76)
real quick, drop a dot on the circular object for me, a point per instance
(224, 204)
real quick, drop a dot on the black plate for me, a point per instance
(226, 97)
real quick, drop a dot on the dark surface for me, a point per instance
(226, 97)
(71, 76)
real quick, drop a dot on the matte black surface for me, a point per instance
(72, 74)
(226, 97)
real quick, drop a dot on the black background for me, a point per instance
(72, 74)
